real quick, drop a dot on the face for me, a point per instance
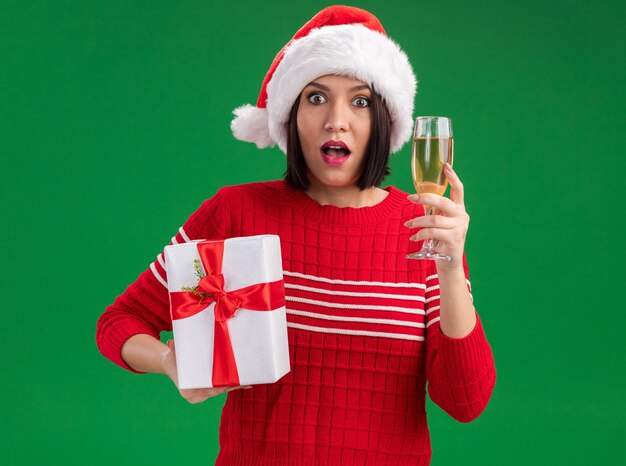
(334, 124)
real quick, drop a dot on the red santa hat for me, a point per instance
(338, 40)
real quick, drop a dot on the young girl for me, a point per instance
(368, 328)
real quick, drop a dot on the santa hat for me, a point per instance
(338, 40)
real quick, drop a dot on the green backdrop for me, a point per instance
(114, 126)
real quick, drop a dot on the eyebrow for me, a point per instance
(327, 89)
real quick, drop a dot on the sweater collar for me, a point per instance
(344, 215)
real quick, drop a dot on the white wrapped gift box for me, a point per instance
(258, 337)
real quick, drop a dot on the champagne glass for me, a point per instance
(432, 147)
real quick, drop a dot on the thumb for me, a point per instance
(169, 362)
(170, 345)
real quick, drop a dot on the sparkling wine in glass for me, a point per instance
(433, 147)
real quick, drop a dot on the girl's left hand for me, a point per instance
(448, 226)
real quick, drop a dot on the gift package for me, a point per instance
(227, 302)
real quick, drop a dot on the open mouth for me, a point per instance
(335, 150)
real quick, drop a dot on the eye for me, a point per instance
(361, 102)
(316, 98)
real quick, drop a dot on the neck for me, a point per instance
(346, 196)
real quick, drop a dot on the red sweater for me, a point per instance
(363, 325)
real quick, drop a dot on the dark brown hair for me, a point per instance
(376, 165)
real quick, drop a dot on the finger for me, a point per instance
(432, 233)
(197, 395)
(444, 204)
(432, 221)
(245, 387)
(457, 193)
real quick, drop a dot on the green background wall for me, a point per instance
(114, 126)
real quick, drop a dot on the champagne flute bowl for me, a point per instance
(433, 147)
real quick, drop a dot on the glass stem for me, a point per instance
(429, 244)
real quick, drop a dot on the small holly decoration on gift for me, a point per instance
(200, 274)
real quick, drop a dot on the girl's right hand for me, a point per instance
(192, 395)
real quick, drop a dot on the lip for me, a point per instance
(333, 161)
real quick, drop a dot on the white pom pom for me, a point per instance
(250, 125)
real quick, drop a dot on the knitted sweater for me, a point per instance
(363, 328)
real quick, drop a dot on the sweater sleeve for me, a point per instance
(461, 372)
(144, 305)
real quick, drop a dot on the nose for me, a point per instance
(337, 118)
